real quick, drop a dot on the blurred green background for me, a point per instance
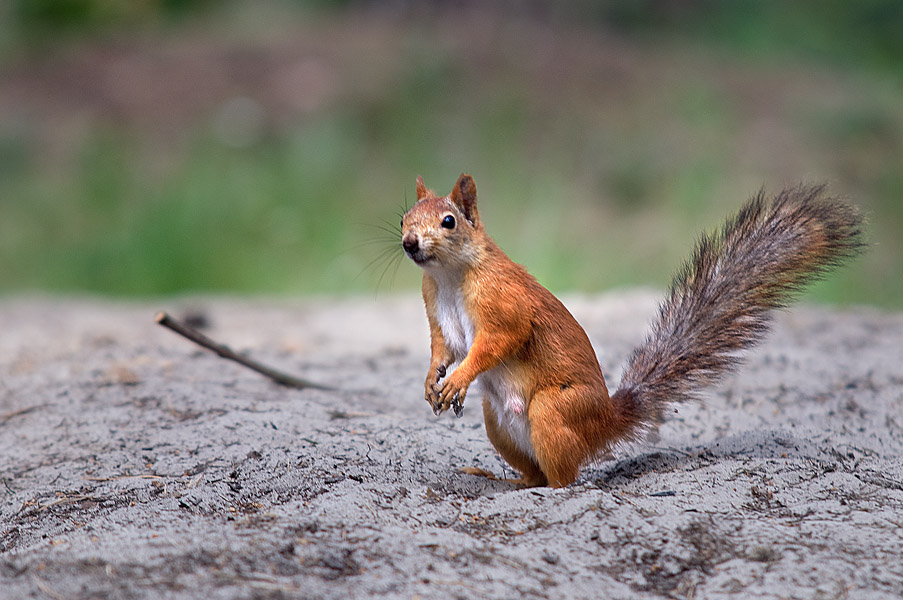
(170, 146)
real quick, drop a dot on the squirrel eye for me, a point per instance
(448, 222)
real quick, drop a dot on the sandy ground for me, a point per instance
(136, 465)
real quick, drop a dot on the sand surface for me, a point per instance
(135, 465)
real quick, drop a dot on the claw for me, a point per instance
(458, 407)
(440, 372)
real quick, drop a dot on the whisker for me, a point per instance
(386, 234)
(386, 253)
(378, 241)
(387, 246)
(385, 226)
(394, 231)
(392, 265)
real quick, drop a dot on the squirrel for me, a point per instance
(547, 410)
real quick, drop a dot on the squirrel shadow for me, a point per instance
(756, 444)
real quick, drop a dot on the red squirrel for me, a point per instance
(546, 408)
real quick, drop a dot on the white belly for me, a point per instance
(508, 401)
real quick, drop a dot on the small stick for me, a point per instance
(226, 352)
(19, 413)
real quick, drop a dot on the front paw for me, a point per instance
(431, 387)
(451, 394)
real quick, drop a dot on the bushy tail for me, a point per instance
(720, 300)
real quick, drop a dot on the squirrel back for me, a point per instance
(720, 300)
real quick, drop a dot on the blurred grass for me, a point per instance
(599, 150)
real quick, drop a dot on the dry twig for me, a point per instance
(19, 413)
(226, 352)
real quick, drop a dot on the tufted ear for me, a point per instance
(464, 195)
(422, 190)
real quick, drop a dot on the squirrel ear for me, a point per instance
(464, 195)
(422, 190)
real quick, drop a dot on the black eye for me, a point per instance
(448, 222)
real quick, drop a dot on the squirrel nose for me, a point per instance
(410, 243)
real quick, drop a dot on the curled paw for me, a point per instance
(451, 395)
(431, 387)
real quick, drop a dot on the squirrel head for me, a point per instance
(439, 231)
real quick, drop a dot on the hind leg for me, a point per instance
(563, 424)
(531, 474)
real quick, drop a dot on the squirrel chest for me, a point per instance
(457, 326)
